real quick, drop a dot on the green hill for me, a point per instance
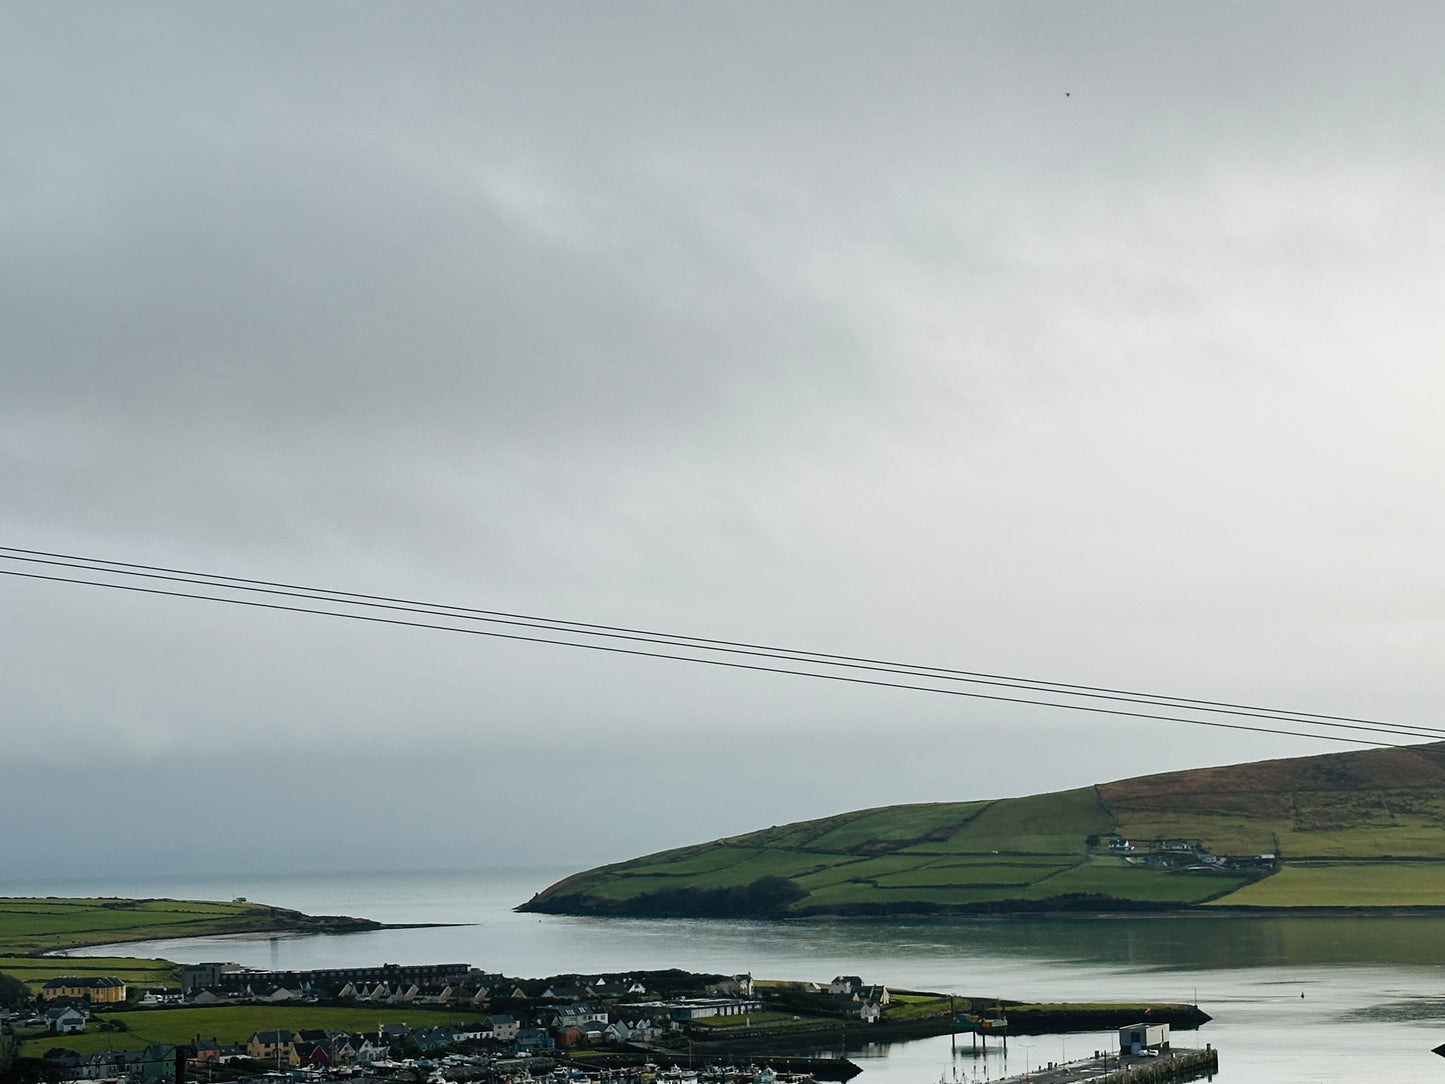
(1359, 830)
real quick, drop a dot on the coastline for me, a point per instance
(1000, 915)
(364, 925)
(1234, 911)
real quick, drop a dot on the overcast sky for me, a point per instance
(1090, 342)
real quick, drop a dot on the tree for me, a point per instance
(13, 992)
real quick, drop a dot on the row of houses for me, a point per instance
(393, 984)
(383, 993)
(682, 1009)
(500, 1033)
(460, 984)
(380, 994)
(562, 1026)
(156, 1062)
(232, 976)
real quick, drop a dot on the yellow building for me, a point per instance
(97, 989)
(276, 1045)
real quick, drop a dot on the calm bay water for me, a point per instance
(1373, 989)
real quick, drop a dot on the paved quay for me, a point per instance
(1169, 1066)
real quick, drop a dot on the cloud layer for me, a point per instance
(1088, 343)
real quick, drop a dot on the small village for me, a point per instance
(488, 1026)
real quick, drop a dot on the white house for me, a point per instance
(66, 1021)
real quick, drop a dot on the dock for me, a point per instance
(1167, 1067)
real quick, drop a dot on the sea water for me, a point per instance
(1293, 1000)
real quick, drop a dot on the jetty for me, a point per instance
(1173, 1066)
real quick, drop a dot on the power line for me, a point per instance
(690, 658)
(1383, 728)
(616, 632)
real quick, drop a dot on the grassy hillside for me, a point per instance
(1362, 829)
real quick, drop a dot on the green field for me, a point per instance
(234, 1024)
(1358, 811)
(940, 855)
(1055, 823)
(943, 853)
(1344, 884)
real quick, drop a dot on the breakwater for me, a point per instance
(1058, 1019)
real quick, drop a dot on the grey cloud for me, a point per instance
(817, 324)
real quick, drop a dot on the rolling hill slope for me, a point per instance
(1359, 829)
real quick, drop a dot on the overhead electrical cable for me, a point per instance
(349, 599)
(613, 649)
(662, 639)
(677, 639)
(699, 644)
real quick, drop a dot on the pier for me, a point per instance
(1166, 1067)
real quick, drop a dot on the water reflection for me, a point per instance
(1167, 942)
